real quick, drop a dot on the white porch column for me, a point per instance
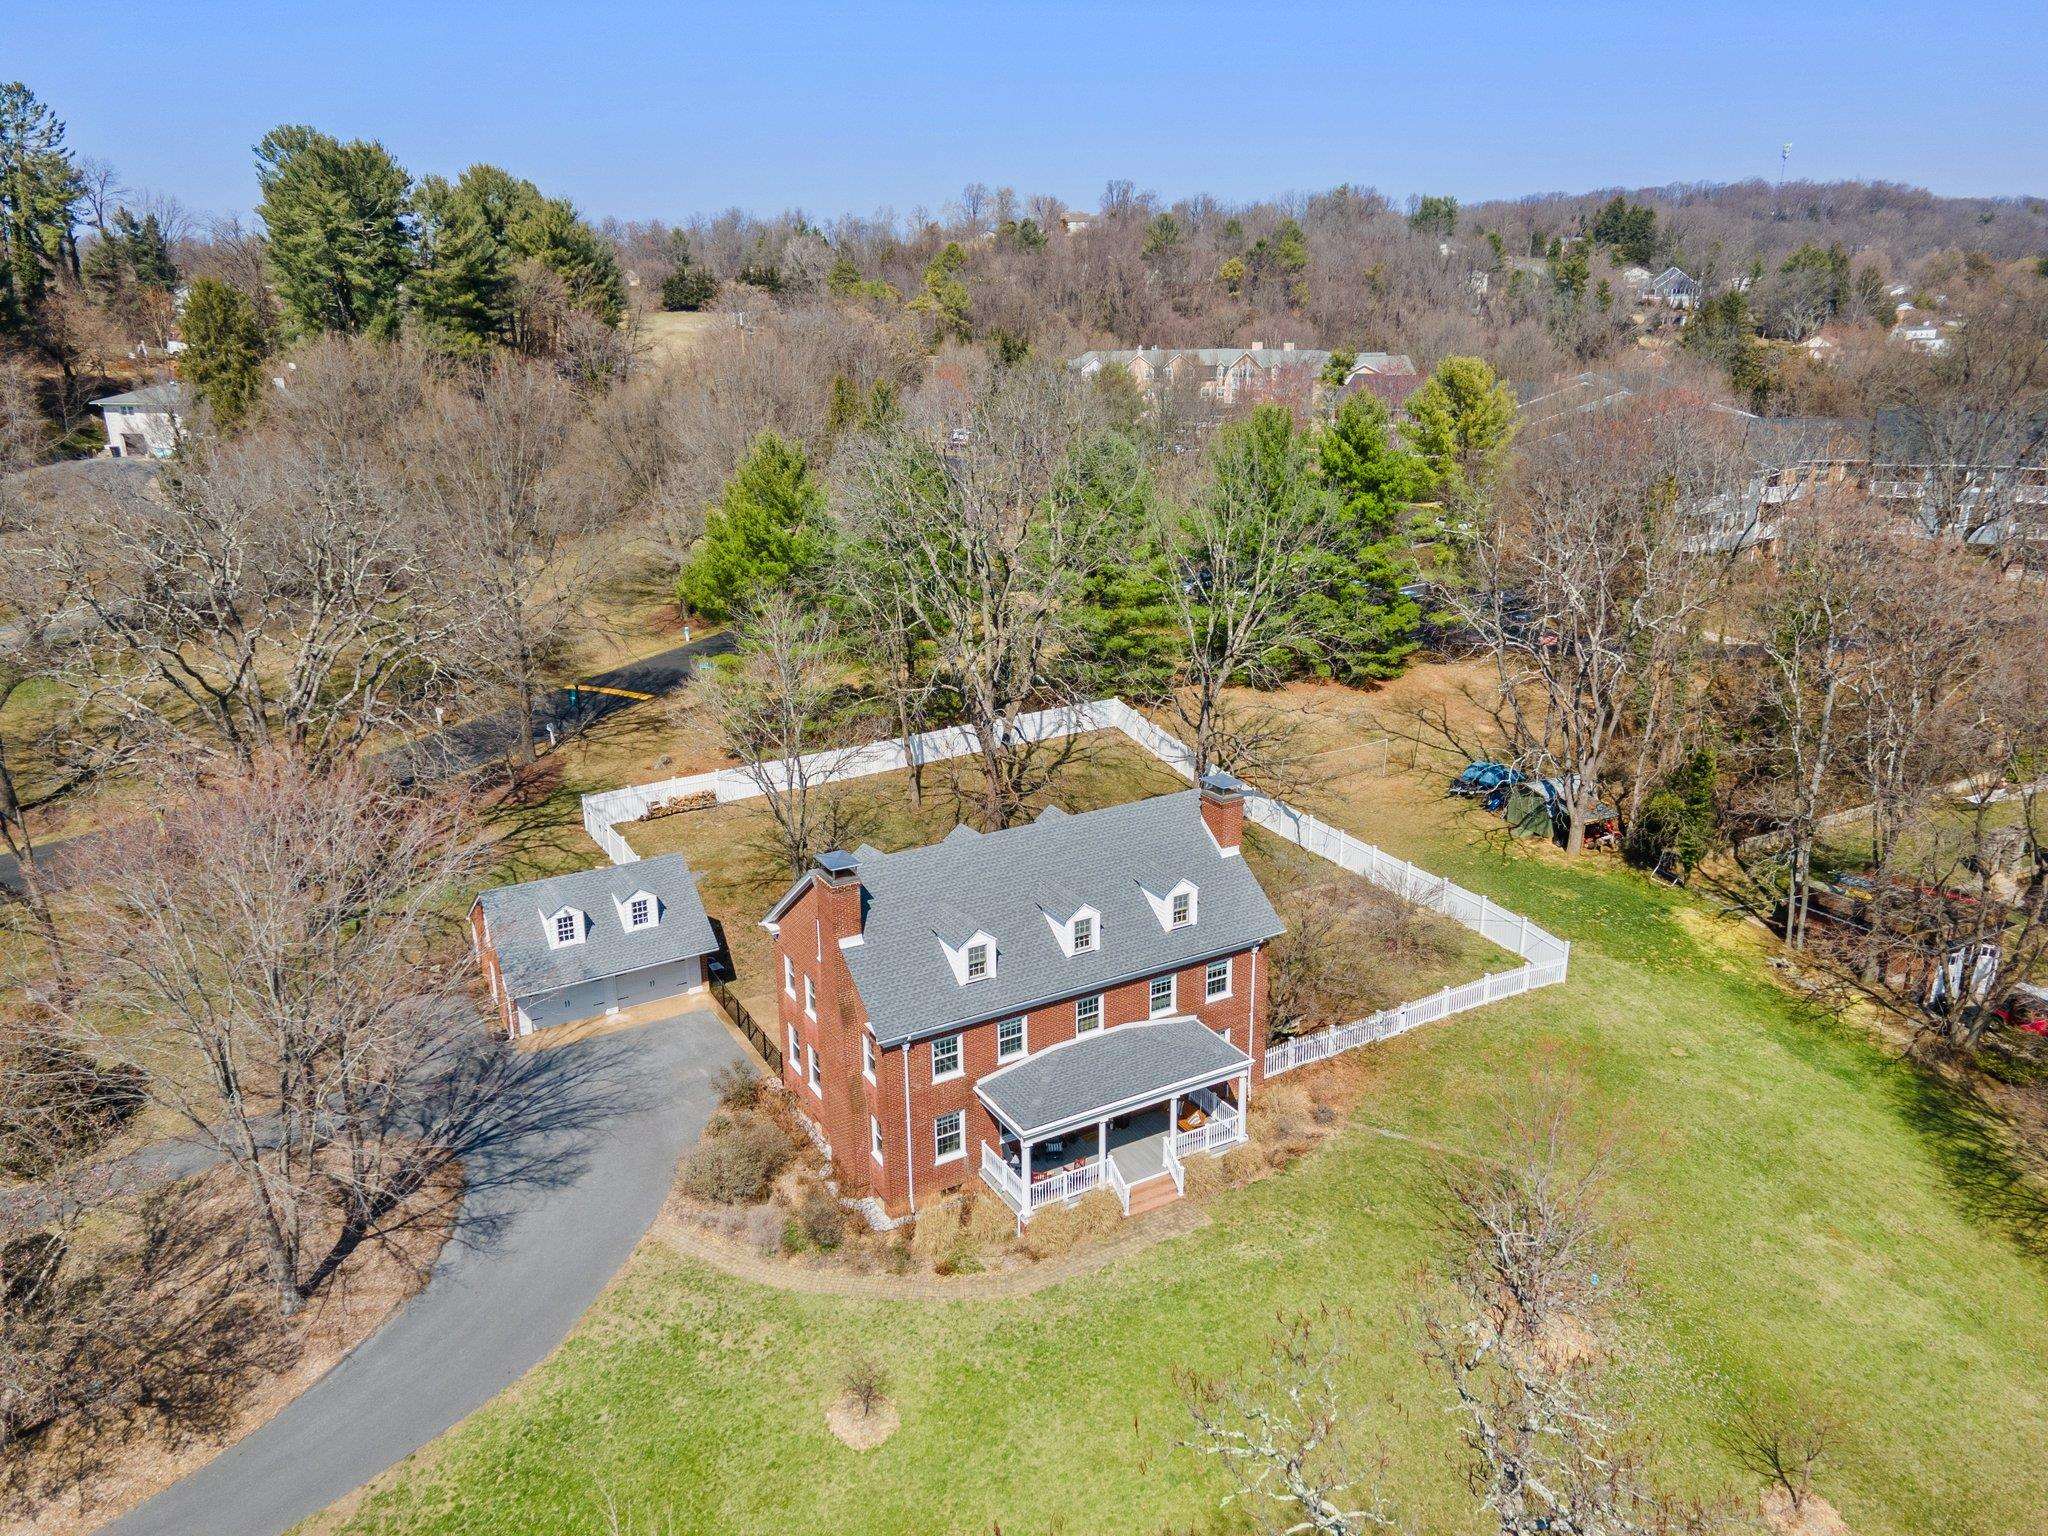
(1244, 1106)
(1025, 1160)
(1102, 1152)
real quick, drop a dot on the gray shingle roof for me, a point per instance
(1209, 357)
(1001, 882)
(167, 397)
(516, 915)
(1108, 1069)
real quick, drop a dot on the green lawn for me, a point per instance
(1802, 1211)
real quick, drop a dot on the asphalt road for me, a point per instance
(555, 1203)
(467, 745)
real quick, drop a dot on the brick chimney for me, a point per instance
(835, 882)
(1223, 808)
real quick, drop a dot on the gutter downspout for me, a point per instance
(909, 1155)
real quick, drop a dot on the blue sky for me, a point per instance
(668, 109)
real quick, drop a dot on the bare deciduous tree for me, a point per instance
(971, 506)
(780, 704)
(263, 954)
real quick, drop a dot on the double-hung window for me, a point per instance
(945, 1058)
(1183, 909)
(810, 999)
(1216, 981)
(867, 1057)
(816, 1079)
(1161, 998)
(796, 1053)
(1084, 934)
(977, 961)
(640, 912)
(788, 976)
(565, 928)
(949, 1137)
(1087, 1013)
(875, 1137)
(1009, 1040)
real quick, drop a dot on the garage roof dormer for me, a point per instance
(639, 911)
(565, 926)
(1176, 906)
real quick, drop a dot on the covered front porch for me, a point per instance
(1122, 1114)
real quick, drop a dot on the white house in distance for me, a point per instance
(145, 423)
(593, 943)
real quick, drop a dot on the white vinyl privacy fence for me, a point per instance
(1545, 957)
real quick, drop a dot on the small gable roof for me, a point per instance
(517, 915)
(167, 398)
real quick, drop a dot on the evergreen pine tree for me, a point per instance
(1366, 627)
(224, 350)
(461, 292)
(1461, 422)
(335, 219)
(767, 534)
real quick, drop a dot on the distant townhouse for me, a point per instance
(592, 944)
(145, 423)
(1391, 376)
(1921, 332)
(1675, 288)
(1223, 376)
(1071, 1004)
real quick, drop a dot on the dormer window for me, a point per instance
(565, 926)
(1075, 928)
(973, 958)
(639, 911)
(1178, 907)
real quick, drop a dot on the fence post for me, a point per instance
(1522, 943)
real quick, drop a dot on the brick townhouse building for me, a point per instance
(1069, 1004)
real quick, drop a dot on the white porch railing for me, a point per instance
(1003, 1179)
(1173, 1165)
(1120, 1184)
(1223, 1129)
(1068, 1185)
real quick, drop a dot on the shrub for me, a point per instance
(738, 1159)
(821, 1219)
(739, 1086)
(688, 288)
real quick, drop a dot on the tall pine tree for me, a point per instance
(336, 217)
(224, 350)
(767, 534)
(461, 293)
(1365, 627)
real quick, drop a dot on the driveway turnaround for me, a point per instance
(557, 1199)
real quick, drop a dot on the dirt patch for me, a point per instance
(356, 1301)
(1815, 1516)
(862, 1431)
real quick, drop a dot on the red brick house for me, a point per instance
(1071, 1003)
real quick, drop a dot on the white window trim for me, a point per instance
(959, 1058)
(789, 975)
(626, 911)
(1152, 1008)
(815, 1078)
(1094, 933)
(1209, 994)
(867, 1057)
(1065, 931)
(1023, 1023)
(796, 1052)
(1097, 999)
(810, 998)
(875, 1138)
(959, 1116)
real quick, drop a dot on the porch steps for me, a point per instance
(1153, 1193)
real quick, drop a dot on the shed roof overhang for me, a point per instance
(1107, 1072)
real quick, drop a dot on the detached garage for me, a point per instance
(597, 942)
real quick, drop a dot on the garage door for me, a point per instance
(548, 1009)
(656, 981)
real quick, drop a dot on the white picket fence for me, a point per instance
(1547, 957)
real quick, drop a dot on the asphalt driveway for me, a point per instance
(557, 1199)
